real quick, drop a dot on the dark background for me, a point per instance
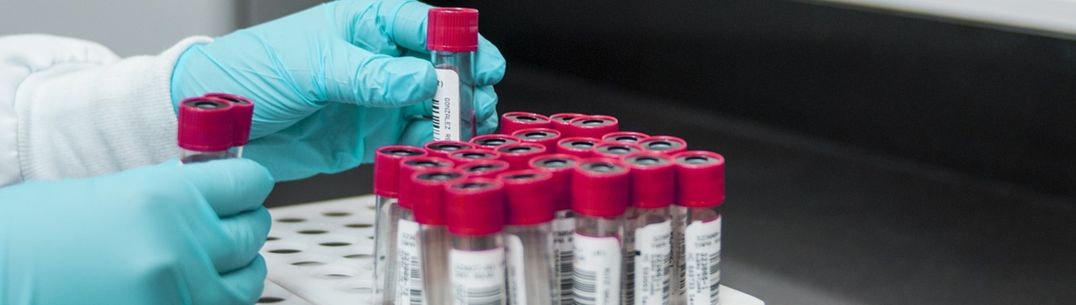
(874, 158)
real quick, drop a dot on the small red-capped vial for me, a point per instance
(443, 148)
(668, 145)
(648, 228)
(206, 129)
(561, 121)
(387, 161)
(484, 168)
(411, 165)
(452, 39)
(513, 121)
(528, 236)
(474, 154)
(492, 141)
(475, 212)
(519, 155)
(700, 192)
(631, 137)
(243, 111)
(405, 279)
(582, 147)
(594, 126)
(544, 136)
(615, 150)
(599, 198)
(560, 166)
(428, 212)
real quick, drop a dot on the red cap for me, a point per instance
(408, 167)
(653, 180)
(474, 206)
(474, 154)
(205, 124)
(492, 141)
(527, 196)
(582, 147)
(561, 121)
(445, 147)
(545, 136)
(594, 126)
(625, 137)
(518, 155)
(513, 121)
(429, 209)
(701, 177)
(452, 29)
(668, 145)
(615, 150)
(243, 109)
(560, 165)
(600, 187)
(484, 168)
(387, 167)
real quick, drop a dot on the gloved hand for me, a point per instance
(332, 83)
(164, 234)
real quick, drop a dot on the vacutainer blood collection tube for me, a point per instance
(519, 155)
(492, 141)
(484, 168)
(452, 38)
(625, 137)
(594, 126)
(514, 121)
(470, 155)
(648, 229)
(700, 191)
(243, 109)
(433, 232)
(528, 237)
(206, 129)
(543, 136)
(668, 145)
(582, 147)
(615, 150)
(562, 121)
(560, 166)
(599, 197)
(444, 148)
(386, 186)
(407, 275)
(475, 212)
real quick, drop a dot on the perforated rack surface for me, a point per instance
(320, 253)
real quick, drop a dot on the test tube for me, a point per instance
(615, 150)
(560, 166)
(582, 147)
(700, 191)
(668, 145)
(452, 38)
(206, 129)
(484, 168)
(594, 126)
(513, 121)
(519, 155)
(243, 109)
(599, 198)
(544, 136)
(443, 148)
(475, 212)
(561, 121)
(648, 229)
(386, 186)
(474, 154)
(407, 276)
(528, 236)
(625, 137)
(433, 233)
(492, 141)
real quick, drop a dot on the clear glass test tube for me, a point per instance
(528, 237)
(408, 276)
(386, 188)
(599, 198)
(648, 230)
(700, 194)
(475, 211)
(428, 211)
(205, 129)
(452, 38)
(563, 225)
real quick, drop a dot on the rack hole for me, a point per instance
(291, 219)
(268, 300)
(358, 225)
(335, 244)
(311, 232)
(336, 214)
(284, 251)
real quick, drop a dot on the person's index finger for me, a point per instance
(230, 186)
(407, 23)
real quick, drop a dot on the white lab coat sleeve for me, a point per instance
(71, 108)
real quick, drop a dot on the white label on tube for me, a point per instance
(679, 216)
(563, 229)
(702, 253)
(596, 279)
(409, 264)
(477, 276)
(652, 263)
(517, 278)
(446, 106)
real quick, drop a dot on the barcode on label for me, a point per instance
(565, 276)
(714, 277)
(415, 285)
(446, 106)
(584, 287)
(564, 255)
(629, 277)
(493, 295)
(703, 255)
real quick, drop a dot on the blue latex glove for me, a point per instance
(332, 83)
(164, 234)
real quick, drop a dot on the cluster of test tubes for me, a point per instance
(213, 126)
(562, 209)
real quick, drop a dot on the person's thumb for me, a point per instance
(358, 76)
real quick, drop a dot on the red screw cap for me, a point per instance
(561, 121)
(408, 167)
(387, 167)
(615, 150)
(484, 168)
(653, 180)
(582, 147)
(513, 121)
(625, 137)
(519, 155)
(243, 110)
(668, 145)
(701, 179)
(429, 208)
(205, 124)
(492, 141)
(452, 29)
(543, 136)
(560, 166)
(527, 196)
(600, 187)
(594, 126)
(474, 206)
(470, 155)
(443, 148)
